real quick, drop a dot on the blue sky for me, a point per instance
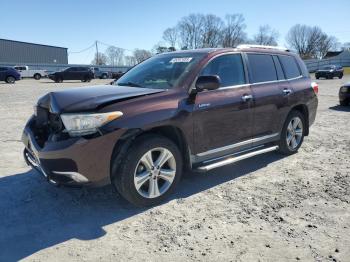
(130, 24)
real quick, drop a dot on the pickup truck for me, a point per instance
(30, 73)
(98, 73)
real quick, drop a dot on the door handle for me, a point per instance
(287, 91)
(246, 98)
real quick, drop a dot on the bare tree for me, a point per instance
(190, 31)
(266, 36)
(115, 55)
(326, 44)
(309, 42)
(141, 55)
(211, 31)
(130, 60)
(170, 36)
(100, 59)
(233, 33)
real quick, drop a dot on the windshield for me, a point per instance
(328, 67)
(161, 71)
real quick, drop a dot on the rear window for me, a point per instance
(261, 68)
(291, 69)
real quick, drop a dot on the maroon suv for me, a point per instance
(177, 111)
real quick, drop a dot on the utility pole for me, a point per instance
(97, 58)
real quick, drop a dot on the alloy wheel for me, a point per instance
(155, 172)
(294, 133)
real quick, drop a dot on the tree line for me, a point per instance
(210, 31)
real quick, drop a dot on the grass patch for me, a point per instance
(346, 70)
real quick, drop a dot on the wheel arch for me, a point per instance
(175, 134)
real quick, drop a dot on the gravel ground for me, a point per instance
(268, 208)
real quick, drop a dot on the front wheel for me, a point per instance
(149, 172)
(292, 134)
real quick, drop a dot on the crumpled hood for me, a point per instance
(89, 98)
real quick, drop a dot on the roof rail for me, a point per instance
(264, 47)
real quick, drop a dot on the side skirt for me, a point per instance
(209, 165)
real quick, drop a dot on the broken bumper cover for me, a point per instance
(75, 161)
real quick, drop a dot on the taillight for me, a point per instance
(314, 86)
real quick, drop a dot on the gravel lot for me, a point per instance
(268, 208)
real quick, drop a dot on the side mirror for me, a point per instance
(210, 82)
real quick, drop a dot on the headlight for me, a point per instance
(85, 124)
(344, 89)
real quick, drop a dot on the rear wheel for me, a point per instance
(10, 80)
(37, 76)
(104, 76)
(150, 171)
(340, 76)
(292, 134)
(58, 79)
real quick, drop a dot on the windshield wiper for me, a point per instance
(129, 84)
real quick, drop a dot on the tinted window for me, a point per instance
(3, 68)
(290, 66)
(229, 68)
(279, 70)
(261, 68)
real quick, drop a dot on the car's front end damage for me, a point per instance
(65, 139)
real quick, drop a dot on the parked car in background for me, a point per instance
(329, 72)
(344, 95)
(83, 74)
(30, 73)
(9, 75)
(101, 74)
(117, 75)
(195, 109)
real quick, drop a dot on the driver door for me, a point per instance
(223, 117)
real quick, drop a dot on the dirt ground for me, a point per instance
(268, 208)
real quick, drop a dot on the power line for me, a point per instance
(114, 46)
(85, 49)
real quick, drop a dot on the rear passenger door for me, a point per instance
(270, 92)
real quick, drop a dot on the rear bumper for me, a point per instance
(75, 161)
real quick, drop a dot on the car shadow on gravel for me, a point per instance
(35, 215)
(340, 108)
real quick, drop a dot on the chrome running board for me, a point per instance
(234, 159)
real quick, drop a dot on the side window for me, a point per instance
(290, 66)
(261, 68)
(279, 70)
(2, 69)
(229, 68)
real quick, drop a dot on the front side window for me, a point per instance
(261, 68)
(161, 71)
(291, 69)
(229, 68)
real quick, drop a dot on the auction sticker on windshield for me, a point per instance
(181, 60)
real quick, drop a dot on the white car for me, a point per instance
(30, 73)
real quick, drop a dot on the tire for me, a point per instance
(341, 76)
(10, 80)
(37, 76)
(292, 132)
(104, 76)
(58, 79)
(86, 79)
(133, 169)
(317, 77)
(344, 103)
